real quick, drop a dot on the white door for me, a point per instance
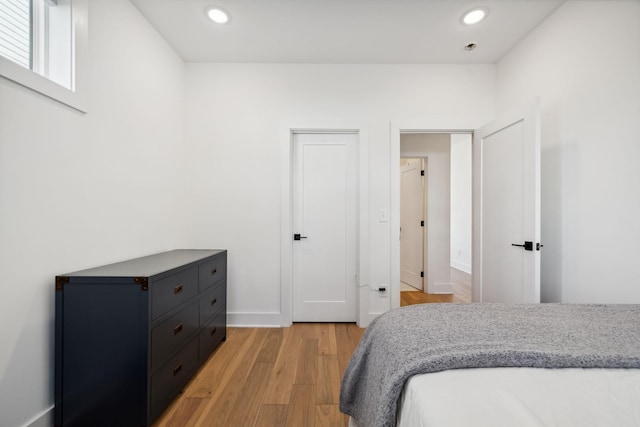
(411, 230)
(507, 208)
(325, 218)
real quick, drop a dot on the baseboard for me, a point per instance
(45, 419)
(254, 320)
(461, 266)
(368, 318)
(441, 288)
(271, 320)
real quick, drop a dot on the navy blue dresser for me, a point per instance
(130, 335)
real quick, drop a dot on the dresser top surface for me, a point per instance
(149, 265)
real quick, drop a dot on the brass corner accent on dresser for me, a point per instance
(60, 281)
(122, 355)
(143, 282)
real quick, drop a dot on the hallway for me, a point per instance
(460, 280)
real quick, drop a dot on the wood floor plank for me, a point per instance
(308, 330)
(210, 376)
(221, 404)
(307, 370)
(330, 416)
(301, 408)
(327, 338)
(184, 412)
(284, 372)
(271, 347)
(328, 390)
(251, 395)
(272, 416)
(347, 337)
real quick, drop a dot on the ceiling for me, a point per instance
(344, 31)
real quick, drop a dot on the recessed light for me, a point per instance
(217, 15)
(474, 16)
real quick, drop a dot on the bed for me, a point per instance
(542, 364)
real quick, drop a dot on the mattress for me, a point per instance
(522, 397)
(432, 338)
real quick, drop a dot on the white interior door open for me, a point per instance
(506, 204)
(411, 229)
(324, 184)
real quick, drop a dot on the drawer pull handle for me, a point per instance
(214, 271)
(213, 301)
(177, 369)
(177, 289)
(177, 329)
(213, 331)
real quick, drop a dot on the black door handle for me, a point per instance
(298, 237)
(528, 246)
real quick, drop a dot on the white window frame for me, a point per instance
(77, 96)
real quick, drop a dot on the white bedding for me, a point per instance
(522, 397)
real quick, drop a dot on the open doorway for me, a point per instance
(505, 258)
(461, 216)
(445, 234)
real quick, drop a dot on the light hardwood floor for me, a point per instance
(269, 377)
(461, 282)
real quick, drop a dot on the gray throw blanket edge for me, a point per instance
(460, 336)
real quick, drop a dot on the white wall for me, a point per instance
(82, 190)
(584, 62)
(461, 154)
(78, 191)
(436, 148)
(234, 119)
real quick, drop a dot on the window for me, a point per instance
(43, 46)
(15, 31)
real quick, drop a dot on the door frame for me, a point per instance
(286, 214)
(414, 126)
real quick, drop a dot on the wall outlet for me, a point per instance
(383, 290)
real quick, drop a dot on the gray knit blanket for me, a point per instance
(436, 337)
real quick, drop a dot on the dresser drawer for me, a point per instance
(213, 301)
(170, 334)
(212, 334)
(172, 291)
(212, 271)
(169, 380)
